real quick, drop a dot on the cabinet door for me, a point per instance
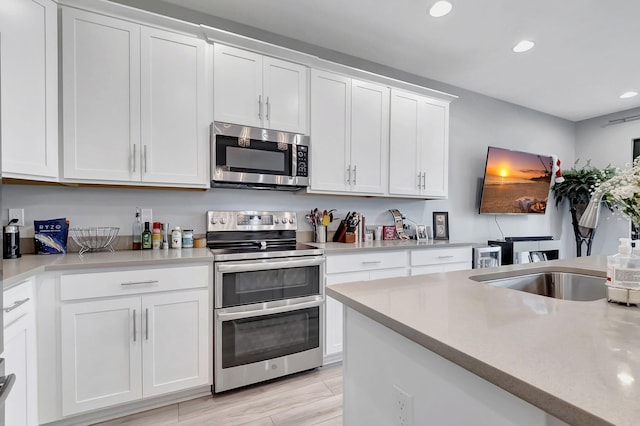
(237, 86)
(174, 108)
(29, 81)
(21, 406)
(369, 137)
(330, 132)
(100, 354)
(404, 176)
(101, 97)
(285, 87)
(176, 341)
(433, 148)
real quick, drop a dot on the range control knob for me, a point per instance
(276, 220)
(214, 220)
(291, 220)
(223, 220)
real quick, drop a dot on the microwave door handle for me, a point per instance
(230, 267)
(221, 316)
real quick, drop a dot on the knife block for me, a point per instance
(349, 237)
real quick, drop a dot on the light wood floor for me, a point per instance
(308, 398)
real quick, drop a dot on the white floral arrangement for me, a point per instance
(622, 190)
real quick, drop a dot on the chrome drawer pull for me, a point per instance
(16, 304)
(445, 257)
(140, 282)
(371, 262)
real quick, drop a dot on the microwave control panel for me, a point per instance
(302, 156)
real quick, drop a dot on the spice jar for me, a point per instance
(187, 238)
(156, 235)
(176, 238)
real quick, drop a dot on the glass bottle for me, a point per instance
(137, 231)
(146, 237)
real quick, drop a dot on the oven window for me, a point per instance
(253, 156)
(242, 288)
(255, 339)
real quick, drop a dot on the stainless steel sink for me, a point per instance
(559, 285)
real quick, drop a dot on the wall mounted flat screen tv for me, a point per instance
(515, 182)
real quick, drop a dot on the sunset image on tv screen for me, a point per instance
(515, 182)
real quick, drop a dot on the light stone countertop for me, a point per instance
(331, 247)
(579, 361)
(17, 270)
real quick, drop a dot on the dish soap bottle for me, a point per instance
(618, 261)
(137, 231)
(146, 237)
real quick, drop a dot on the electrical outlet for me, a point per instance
(147, 216)
(402, 407)
(17, 214)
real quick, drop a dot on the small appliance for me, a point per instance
(11, 240)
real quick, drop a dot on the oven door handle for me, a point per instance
(267, 311)
(230, 267)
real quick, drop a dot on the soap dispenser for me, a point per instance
(618, 260)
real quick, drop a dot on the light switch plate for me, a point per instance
(147, 216)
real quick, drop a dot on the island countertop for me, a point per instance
(579, 361)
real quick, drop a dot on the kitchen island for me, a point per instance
(464, 352)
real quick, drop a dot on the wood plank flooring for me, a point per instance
(304, 399)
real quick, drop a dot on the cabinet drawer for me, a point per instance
(17, 302)
(135, 281)
(366, 261)
(439, 256)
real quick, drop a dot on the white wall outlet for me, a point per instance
(17, 214)
(147, 216)
(402, 407)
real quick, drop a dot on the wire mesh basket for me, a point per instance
(95, 238)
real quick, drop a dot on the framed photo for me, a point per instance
(440, 225)
(421, 233)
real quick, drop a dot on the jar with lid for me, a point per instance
(176, 238)
(187, 238)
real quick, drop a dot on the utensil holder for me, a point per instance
(320, 234)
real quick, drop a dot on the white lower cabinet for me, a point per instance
(21, 406)
(349, 268)
(440, 260)
(140, 334)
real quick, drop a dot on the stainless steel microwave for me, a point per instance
(250, 157)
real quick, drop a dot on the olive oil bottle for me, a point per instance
(147, 243)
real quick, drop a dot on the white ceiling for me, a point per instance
(586, 54)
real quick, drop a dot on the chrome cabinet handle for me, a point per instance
(371, 262)
(145, 159)
(268, 109)
(260, 107)
(445, 257)
(355, 174)
(133, 157)
(419, 180)
(135, 329)
(146, 320)
(140, 282)
(424, 180)
(16, 305)
(349, 175)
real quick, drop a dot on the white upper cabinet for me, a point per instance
(135, 106)
(259, 91)
(419, 146)
(349, 134)
(29, 96)
(174, 107)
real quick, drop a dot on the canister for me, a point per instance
(176, 238)
(11, 240)
(187, 238)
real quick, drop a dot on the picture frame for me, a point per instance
(440, 225)
(421, 233)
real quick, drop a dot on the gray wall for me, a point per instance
(476, 122)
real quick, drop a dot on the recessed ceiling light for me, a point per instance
(440, 8)
(629, 94)
(523, 46)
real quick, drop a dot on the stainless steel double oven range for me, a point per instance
(268, 298)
